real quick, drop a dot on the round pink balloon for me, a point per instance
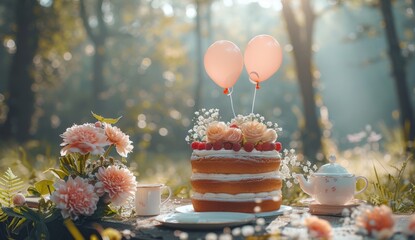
(223, 63)
(263, 57)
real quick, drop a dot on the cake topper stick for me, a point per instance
(230, 97)
(253, 101)
(254, 76)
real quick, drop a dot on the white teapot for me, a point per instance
(332, 184)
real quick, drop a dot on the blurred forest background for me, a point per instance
(346, 85)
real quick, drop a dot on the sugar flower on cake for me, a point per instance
(270, 135)
(253, 131)
(118, 182)
(119, 139)
(233, 135)
(376, 221)
(216, 132)
(247, 132)
(75, 197)
(84, 139)
(318, 228)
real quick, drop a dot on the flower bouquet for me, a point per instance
(89, 183)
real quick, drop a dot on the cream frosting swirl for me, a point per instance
(240, 197)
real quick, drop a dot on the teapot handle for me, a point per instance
(366, 183)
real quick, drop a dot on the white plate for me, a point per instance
(283, 209)
(205, 220)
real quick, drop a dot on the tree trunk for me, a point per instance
(98, 39)
(398, 70)
(199, 57)
(21, 97)
(301, 40)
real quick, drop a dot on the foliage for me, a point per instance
(103, 183)
(394, 190)
(10, 184)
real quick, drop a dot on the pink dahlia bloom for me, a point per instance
(119, 139)
(75, 197)
(118, 182)
(377, 221)
(84, 139)
(318, 228)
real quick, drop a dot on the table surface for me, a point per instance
(149, 228)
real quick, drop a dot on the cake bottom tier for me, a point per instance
(267, 205)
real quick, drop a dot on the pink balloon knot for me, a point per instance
(257, 86)
(226, 91)
(254, 76)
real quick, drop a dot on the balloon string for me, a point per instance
(253, 101)
(230, 97)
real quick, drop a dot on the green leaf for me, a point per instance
(12, 212)
(106, 120)
(54, 214)
(10, 184)
(57, 173)
(30, 214)
(33, 192)
(44, 186)
(41, 231)
(17, 223)
(3, 216)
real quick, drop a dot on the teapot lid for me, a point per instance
(332, 168)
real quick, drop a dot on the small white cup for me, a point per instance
(148, 199)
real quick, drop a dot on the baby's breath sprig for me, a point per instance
(289, 163)
(201, 120)
(240, 119)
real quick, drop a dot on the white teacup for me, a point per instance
(148, 199)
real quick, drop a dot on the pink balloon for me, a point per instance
(224, 63)
(263, 57)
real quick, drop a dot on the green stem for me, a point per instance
(82, 163)
(107, 152)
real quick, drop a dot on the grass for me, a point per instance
(394, 190)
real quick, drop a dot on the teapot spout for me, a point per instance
(305, 185)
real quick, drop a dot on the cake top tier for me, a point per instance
(248, 132)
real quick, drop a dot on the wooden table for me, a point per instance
(149, 228)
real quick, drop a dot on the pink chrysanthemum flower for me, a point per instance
(318, 228)
(84, 139)
(75, 197)
(377, 221)
(119, 139)
(118, 182)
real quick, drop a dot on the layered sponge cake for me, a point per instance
(235, 165)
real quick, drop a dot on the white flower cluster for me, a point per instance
(201, 120)
(239, 119)
(289, 163)
(206, 116)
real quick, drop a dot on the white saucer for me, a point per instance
(205, 220)
(334, 210)
(283, 209)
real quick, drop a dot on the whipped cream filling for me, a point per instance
(235, 177)
(240, 197)
(242, 152)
